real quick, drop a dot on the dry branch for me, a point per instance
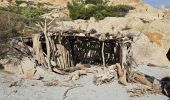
(76, 75)
(138, 92)
(141, 78)
(66, 92)
(36, 47)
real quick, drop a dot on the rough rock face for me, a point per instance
(146, 52)
(155, 37)
(55, 2)
(25, 68)
(163, 28)
(109, 24)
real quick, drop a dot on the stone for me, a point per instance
(162, 27)
(28, 69)
(155, 37)
(23, 5)
(145, 52)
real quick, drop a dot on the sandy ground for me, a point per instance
(36, 90)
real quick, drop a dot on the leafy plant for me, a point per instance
(28, 11)
(96, 2)
(99, 9)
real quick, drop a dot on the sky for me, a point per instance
(158, 3)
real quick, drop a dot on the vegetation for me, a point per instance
(29, 11)
(13, 18)
(11, 24)
(99, 9)
(96, 2)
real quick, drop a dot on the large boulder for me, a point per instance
(145, 52)
(161, 28)
(155, 37)
(24, 68)
(9, 66)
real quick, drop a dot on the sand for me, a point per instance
(35, 89)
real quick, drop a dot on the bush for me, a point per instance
(30, 12)
(13, 18)
(11, 24)
(79, 9)
(96, 2)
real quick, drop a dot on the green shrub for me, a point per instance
(13, 18)
(29, 11)
(79, 9)
(95, 2)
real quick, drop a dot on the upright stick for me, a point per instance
(47, 46)
(103, 57)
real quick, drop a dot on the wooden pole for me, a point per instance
(47, 46)
(103, 57)
(36, 47)
(123, 49)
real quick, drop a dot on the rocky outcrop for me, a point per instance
(146, 52)
(55, 2)
(155, 37)
(163, 28)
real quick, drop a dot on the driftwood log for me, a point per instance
(121, 74)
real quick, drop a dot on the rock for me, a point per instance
(54, 2)
(24, 68)
(163, 28)
(27, 66)
(136, 24)
(11, 68)
(145, 52)
(23, 5)
(92, 20)
(10, 65)
(155, 37)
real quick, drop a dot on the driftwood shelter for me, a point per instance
(64, 49)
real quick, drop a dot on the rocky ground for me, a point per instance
(14, 88)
